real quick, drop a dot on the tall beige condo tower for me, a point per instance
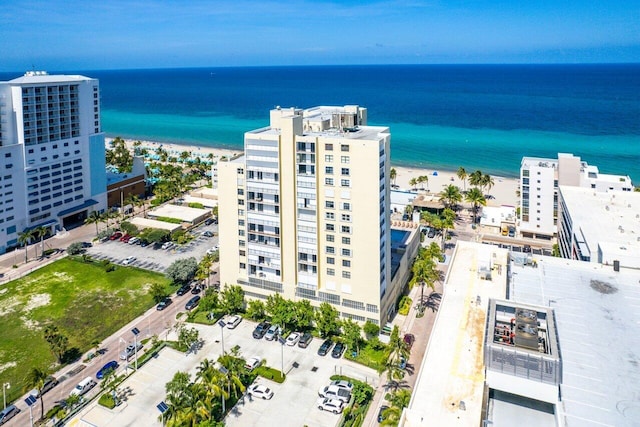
(304, 212)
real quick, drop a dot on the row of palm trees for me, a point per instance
(96, 217)
(451, 196)
(476, 179)
(27, 235)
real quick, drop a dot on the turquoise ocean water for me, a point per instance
(483, 117)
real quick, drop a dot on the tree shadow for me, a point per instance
(396, 385)
(71, 355)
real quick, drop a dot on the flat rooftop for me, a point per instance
(450, 387)
(597, 314)
(611, 217)
(183, 213)
(40, 77)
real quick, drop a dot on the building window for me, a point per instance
(346, 217)
(346, 206)
(346, 263)
(330, 250)
(345, 183)
(345, 171)
(328, 147)
(328, 170)
(344, 148)
(346, 275)
(346, 240)
(346, 252)
(345, 229)
(331, 272)
(329, 227)
(344, 159)
(328, 181)
(331, 260)
(329, 215)
(240, 192)
(330, 238)
(328, 158)
(329, 204)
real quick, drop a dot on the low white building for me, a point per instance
(496, 216)
(600, 227)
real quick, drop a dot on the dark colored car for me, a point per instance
(209, 221)
(115, 236)
(408, 340)
(381, 417)
(49, 383)
(207, 234)
(86, 245)
(164, 304)
(325, 347)
(196, 289)
(183, 290)
(110, 366)
(193, 303)
(432, 233)
(338, 350)
(305, 339)
(261, 329)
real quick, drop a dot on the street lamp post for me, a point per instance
(30, 401)
(223, 371)
(222, 324)
(5, 386)
(162, 407)
(282, 342)
(135, 332)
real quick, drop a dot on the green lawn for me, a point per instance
(86, 303)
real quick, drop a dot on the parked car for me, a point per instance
(209, 221)
(125, 238)
(164, 304)
(381, 416)
(183, 290)
(325, 347)
(408, 340)
(512, 231)
(293, 338)
(8, 413)
(338, 350)
(49, 383)
(272, 332)
(213, 250)
(233, 321)
(333, 392)
(115, 236)
(86, 245)
(207, 234)
(305, 339)
(342, 384)
(129, 260)
(261, 391)
(193, 303)
(134, 240)
(261, 329)
(109, 366)
(432, 233)
(83, 386)
(332, 405)
(167, 245)
(196, 289)
(129, 351)
(252, 363)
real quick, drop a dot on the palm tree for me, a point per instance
(462, 175)
(94, 217)
(392, 175)
(475, 178)
(424, 273)
(422, 179)
(487, 181)
(447, 222)
(413, 182)
(450, 196)
(23, 239)
(475, 197)
(40, 232)
(397, 349)
(36, 378)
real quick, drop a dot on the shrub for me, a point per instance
(405, 305)
(270, 374)
(169, 219)
(196, 205)
(109, 268)
(75, 248)
(107, 401)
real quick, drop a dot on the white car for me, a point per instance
(233, 321)
(129, 260)
(129, 351)
(213, 250)
(261, 391)
(252, 363)
(293, 338)
(332, 405)
(342, 384)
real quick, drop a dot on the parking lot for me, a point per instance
(293, 403)
(153, 258)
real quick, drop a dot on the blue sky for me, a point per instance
(112, 34)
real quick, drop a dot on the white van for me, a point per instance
(83, 386)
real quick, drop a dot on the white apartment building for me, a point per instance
(600, 227)
(52, 159)
(539, 181)
(304, 212)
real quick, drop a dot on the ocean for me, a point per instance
(483, 117)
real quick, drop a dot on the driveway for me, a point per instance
(306, 373)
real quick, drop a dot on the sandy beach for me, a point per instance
(502, 193)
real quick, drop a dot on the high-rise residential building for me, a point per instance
(52, 158)
(539, 181)
(304, 213)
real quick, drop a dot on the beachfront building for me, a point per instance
(600, 227)
(122, 185)
(539, 181)
(304, 213)
(52, 149)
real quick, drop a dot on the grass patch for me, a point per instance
(202, 317)
(107, 401)
(86, 303)
(270, 374)
(368, 356)
(168, 219)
